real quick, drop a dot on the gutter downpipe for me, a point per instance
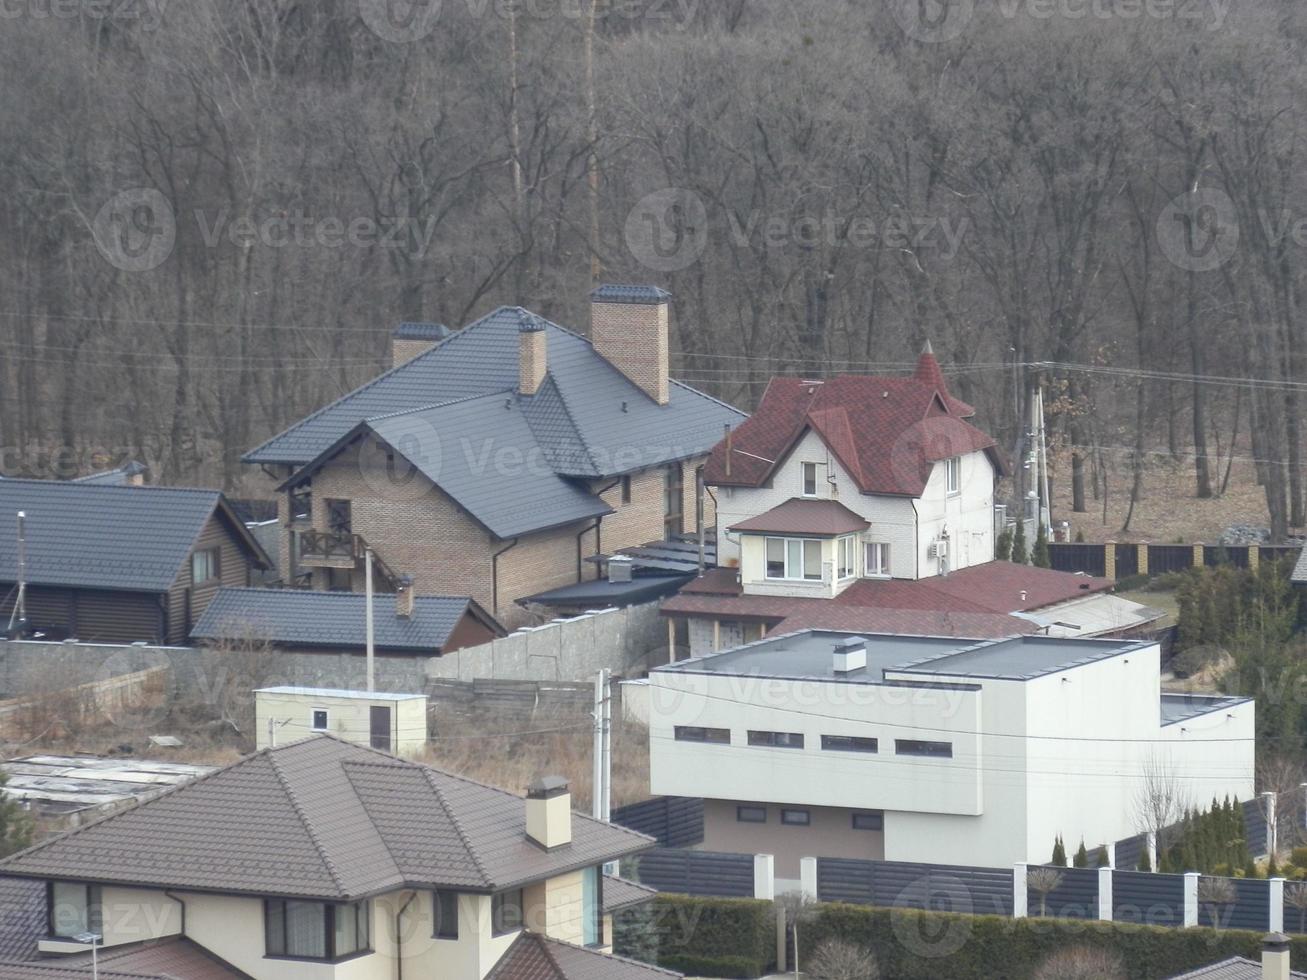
(180, 902)
(494, 575)
(399, 936)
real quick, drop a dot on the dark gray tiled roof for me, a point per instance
(596, 417)
(536, 957)
(421, 331)
(321, 819)
(22, 918)
(615, 293)
(622, 894)
(90, 535)
(332, 619)
(1235, 968)
(601, 593)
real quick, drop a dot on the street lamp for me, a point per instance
(94, 940)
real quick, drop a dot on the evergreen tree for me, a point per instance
(1081, 860)
(1019, 544)
(1144, 863)
(1003, 546)
(1059, 852)
(1100, 857)
(1040, 556)
(15, 824)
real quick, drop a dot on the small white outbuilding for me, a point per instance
(395, 723)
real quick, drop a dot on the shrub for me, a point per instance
(1081, 963)
(712, 966)
(836, 959)
(702, 935)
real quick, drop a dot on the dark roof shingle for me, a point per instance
(536, 957)
(825, 518)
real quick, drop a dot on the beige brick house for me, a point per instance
(494, 463)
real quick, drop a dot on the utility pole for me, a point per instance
(19, 614)
(367, 606)
(601, 806)
(1046, 505)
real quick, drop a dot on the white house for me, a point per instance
(915, 748)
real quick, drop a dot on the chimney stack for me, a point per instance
(850, 654)
(404, 598)
(532, 354)
(628, 327)
(412, 339)
(549, 812)
(1275, 957)
(620, 568)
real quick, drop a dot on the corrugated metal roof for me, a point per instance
(90, 535)
(321, 819)
(304, 617)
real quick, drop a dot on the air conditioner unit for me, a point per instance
(939, 548)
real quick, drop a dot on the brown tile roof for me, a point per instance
(535, 957)
(825, 518)
(622, 894)
(177, 957)
(323, 819)
(887, 432)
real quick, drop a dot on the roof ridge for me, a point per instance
(571, 420)
(552, 941)
(543, 945)
(308, 828)
(427, 773)
(110, 487)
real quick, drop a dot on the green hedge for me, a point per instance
(714, 937)
(914, 945)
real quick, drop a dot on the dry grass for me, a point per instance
(560, 744)
(1167, 511)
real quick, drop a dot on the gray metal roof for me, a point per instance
(301, 617)
(90, 535)
(326, 820)
(1235, 968)
(1177, 707)
(602, 593)
(1023, 657)
(22, 918)
(421, 331)
(595, 422)
(641, 295)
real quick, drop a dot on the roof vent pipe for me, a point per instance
(850, 654)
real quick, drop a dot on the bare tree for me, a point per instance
(1295, 896)
(1215, 894)
(839, 959)
(1044, 880)
(798, 908)
(1160, 800)
(1081, 963)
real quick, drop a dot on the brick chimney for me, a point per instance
(628, 327)
(1275, 957)
(404, 598)
(549, 812)
(532, 354)
(411, 339)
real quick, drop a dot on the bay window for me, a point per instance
(316, 930)
(844, 565)
(794, 558)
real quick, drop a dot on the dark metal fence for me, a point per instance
(1075, 898)
(1155, 899)
(1251, 908)
(1127, 560)
(1254, 821)
(937, 887)
(1130, 851)
(1088, 558)
(696, 872)
(673, 821)
(1163, 558)
(1092, 558)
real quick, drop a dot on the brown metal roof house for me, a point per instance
(118, 563)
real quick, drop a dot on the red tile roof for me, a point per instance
(887, 432)
(825, 518)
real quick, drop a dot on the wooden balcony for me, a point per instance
(341, 549)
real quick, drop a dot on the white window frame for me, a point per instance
(953, 475)
(871, 568)
(789, 571)
(846, 547)
(804, 470)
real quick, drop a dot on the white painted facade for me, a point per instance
(910, 526)
(289, 714)
(1062, 753)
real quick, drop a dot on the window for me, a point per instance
(506, 913)
(592, 907)
(906, 746)
(810, 479)
(777, 740)
(953, 474)
(204, 566)
(340, 516)
(794, 558)
(73, 909)
(444, 909)
(301, 504)
(316, 930)
(796, 818)
(877, 558)
(695, 733)
(844, 566)
(673, 500)
(868, 821)
(319, 719)
(849, 743)
(626, 489)
(751, 814)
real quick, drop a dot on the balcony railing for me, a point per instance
(329, 549)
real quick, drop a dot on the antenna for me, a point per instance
(19, 614)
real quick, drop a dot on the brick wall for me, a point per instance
(403, 351)
(633, 337)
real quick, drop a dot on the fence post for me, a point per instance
(1020, 891)
(808, 877)
(1190, 899)
(1109, 560)
(764, 876)
(1150, 842)
(1105, 893)
(1276, 923)
(1143, 557)
(1111, 855)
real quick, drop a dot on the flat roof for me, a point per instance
(810, 654)
(331, 692)
(62, 784)
(1180, 706)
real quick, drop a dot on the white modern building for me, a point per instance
(914, 748)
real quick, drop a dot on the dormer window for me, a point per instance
(810, 479)
(953, 474)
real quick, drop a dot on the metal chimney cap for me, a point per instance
(547, 787)
(850, 643)
(1275, 942)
